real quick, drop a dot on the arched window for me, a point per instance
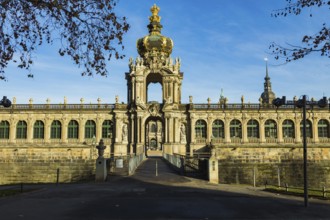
(288, 129)
(270, 129)
(56, 130)
(21, 130)
(235, 129)
(309, 133)
(73, 129)
(323, 128)
(218, 129)
(153, 128)
(4, 130)
(200, 129)
(38, 130)
(107, 129)
(90, 129)
(253, 129)
(154, 92)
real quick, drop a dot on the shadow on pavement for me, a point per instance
(165, 196)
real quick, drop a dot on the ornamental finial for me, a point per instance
(154, 10)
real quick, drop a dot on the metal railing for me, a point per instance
(298, 190)
(234, 106)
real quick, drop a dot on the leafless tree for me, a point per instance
(89, 31)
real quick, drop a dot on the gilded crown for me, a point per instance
(154, 46)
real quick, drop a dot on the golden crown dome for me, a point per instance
(154, 45)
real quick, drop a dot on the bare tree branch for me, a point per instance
(317, 43)
(89, 31)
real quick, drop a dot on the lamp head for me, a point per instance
(5, 102)
(322, 103)
(279, 101)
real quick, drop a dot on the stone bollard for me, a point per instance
(101, 165)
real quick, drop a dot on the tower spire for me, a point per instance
(266, 59)
(268, 95)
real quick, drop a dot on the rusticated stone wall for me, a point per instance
(39, 164)
(274, 165)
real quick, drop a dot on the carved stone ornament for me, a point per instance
(154, 110)
(183, 134)
(101, 148)
(124, 132)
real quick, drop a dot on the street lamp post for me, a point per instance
(302, 103)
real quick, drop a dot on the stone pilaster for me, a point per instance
(12, 131)
(64, 132)
(99, 122)
(29, 135)
(297, 131)
(244, 131)
(81, 132)
(227, 130)
(262, 131)
(280, 131)
(192, 130)
(47, 131)
(315, 130)
(209, 129)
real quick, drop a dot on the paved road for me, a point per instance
(166, 196)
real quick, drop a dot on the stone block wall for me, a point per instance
(39, 164)
(274, 165)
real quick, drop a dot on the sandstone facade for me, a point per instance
(36, 139)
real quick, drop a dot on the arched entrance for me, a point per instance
(154, 136)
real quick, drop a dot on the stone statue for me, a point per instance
(101, 148)
(124, 133)
(190, 99)
(183, 133)
(117, 99)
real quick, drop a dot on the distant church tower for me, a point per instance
(268, 95)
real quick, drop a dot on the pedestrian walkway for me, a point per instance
(156, 169)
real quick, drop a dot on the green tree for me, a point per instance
(89, 31)
(317, 43)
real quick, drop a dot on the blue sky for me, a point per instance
(221, 43)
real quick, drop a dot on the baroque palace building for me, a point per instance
(250, 132)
